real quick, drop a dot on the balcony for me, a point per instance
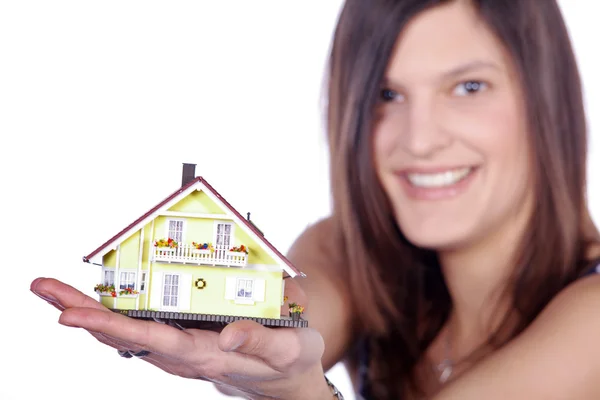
(188, 254)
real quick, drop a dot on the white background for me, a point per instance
(101, 103)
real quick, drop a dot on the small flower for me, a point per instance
(241, 249)
(298, 309)
(203, 246)
(166, 243)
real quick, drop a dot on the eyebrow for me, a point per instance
(456, 71)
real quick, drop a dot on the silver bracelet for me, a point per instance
(334, 391)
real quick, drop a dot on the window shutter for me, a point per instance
(185, 292)
(155, 292)
(282, 291)
(230, 287)
(258, 290)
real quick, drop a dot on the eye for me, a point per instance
(388, 95)
(469, 87)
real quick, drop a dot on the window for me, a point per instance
(127, 280)
(109, 277)
(244, 288)
(223, 238)
(143, 282)
(170, 290)
(175, 230)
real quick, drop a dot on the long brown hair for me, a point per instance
(400, 296)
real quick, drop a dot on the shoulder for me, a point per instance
(314, 252)
(574, 312)
(318, 245)
(556, 357)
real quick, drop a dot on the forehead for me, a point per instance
(442, 38)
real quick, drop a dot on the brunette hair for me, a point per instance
(401, 298)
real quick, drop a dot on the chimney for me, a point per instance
(189, 173)
(248, 216)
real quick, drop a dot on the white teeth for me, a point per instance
(441, 179)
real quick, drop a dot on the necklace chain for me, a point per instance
(446, 366)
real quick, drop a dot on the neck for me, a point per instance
(477, 280)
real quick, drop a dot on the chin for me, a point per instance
(436, 240)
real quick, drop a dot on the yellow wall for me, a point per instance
(211, 299)
(129, 252)
(201, 230)
(125, 303)
(110, 259)
(107, 301)
(256, 255)
(197, 202)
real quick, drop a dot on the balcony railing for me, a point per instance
(188, 254)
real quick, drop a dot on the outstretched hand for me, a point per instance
(244, 357)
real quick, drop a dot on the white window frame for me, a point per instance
(231, 233)
(232, 288)
(143, 281)
(167, 229)
(177, 296)
(105, 281)
(240, 285)
(131, 274)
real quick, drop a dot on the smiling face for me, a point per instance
(450, 139)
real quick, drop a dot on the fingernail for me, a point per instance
(47, 297)
(51, 300)
(238, 339)
(59, 306)
(67, 324)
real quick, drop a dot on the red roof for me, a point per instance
(175, 194)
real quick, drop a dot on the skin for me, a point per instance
(451, 99)
(267, 363)
(432, 122)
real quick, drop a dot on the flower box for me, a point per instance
(236, 254)
(165, 250)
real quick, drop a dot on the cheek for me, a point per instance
(499, 133)
(385, 138)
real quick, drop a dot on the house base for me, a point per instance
(208, 321)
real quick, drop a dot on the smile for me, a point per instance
(436, 184)
(439, 179)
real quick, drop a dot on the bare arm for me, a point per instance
(314, 252)
(556, 358)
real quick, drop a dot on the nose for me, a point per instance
(424, 134)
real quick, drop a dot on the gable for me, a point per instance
(197, 202)
(202, 187)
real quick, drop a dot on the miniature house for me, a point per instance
(192, 254)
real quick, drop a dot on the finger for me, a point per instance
(283, 349)
(167, 364)
(146, 335)
(229, 391)
(61, 294)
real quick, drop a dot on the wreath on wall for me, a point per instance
(200, 283)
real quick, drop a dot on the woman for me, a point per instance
(458, 147)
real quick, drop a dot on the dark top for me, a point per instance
(364, 390)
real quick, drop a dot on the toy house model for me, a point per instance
(193, 257)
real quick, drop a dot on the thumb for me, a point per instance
(284, 349)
